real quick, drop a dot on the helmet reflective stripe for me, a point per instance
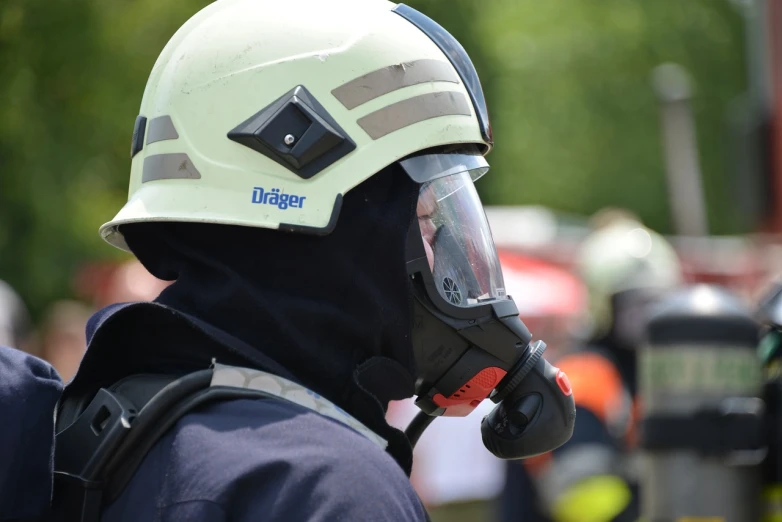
(237, 57)
(460, 60)
(389, 79)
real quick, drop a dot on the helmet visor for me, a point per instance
(428, 167)
(457, 240)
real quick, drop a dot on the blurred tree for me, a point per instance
(568, 82)
(576, 121)
(73, 74)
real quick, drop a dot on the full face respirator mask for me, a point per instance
(468, 339)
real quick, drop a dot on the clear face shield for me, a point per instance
(455, 232)
(468, 341)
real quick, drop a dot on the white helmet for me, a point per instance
(620, 257)
(265, 113)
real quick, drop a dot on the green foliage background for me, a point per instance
(568, 81)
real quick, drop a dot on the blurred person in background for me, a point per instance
(103, 284)
(626, 269)
(16, 329)
(130, 282)
(29, 388)
(63, 337)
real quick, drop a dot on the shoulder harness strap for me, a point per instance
(98, 450)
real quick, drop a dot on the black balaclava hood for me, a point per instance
(334, 310)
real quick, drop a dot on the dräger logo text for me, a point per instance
(276, 198)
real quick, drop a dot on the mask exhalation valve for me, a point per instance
(536, 411)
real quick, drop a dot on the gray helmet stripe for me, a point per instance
(160, 129)
(389, 79)
(169, 166)
(413, 110)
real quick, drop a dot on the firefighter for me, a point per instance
(29, 389)
(626, 268)
(288, 159)
(15, 322)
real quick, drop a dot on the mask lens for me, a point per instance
(458, 241)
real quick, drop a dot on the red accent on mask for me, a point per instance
(469, 395)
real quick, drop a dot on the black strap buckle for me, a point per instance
(82, 451)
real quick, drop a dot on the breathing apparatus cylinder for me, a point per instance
(770, 353)
(702, 423)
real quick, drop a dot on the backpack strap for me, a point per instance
(99, 449)
(96, 439)
(227, 383)
(259, 381)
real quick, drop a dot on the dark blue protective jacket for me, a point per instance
(251, 460)
(240, 460)
(29, 389)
